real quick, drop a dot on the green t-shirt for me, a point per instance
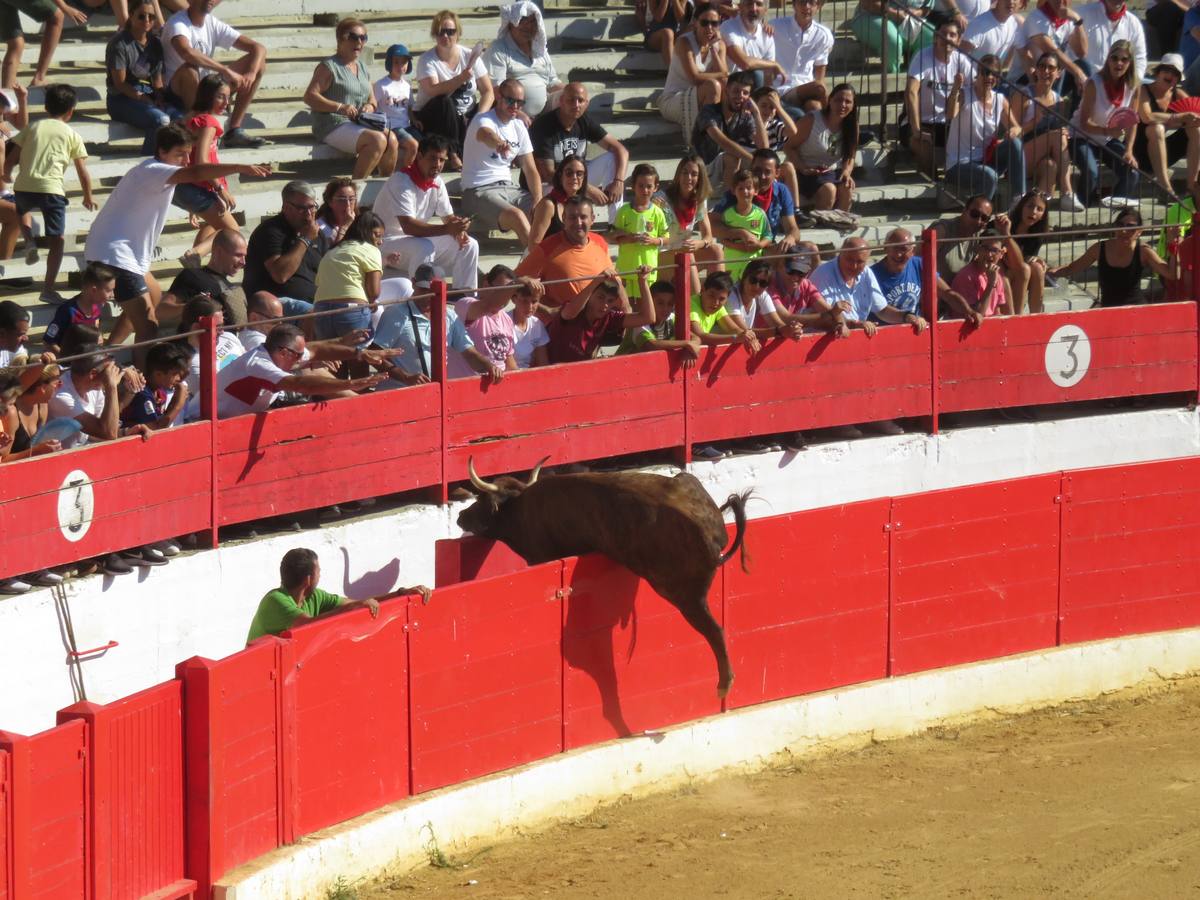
(652, 221)
(277, 610)
(636, 339)
(1177, 214)
(707, 321)
(756, 223)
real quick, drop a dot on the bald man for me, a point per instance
(901, 273)
(846, 281)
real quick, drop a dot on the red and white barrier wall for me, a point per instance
(238, 756)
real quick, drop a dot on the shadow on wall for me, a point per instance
(370, 584)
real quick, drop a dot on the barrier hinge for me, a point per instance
(563, 593)
(892, 526)
(83, 752)
(1063, 498)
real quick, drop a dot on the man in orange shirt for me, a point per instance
(572, 253)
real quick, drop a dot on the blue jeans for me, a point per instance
(971, 178)
(350, 317)
(145, 116)
(1083, 154)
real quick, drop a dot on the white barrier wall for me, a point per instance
(201, 604)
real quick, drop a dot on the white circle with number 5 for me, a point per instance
(76, 505)
(1068, 355)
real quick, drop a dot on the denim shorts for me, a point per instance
(53, 207)
(194, 198)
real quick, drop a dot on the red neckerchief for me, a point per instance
(558, 195)
(685, 215)
(1055, 19)
(1114, 92)
(1115, 17)
(763, 200)
(423, 183)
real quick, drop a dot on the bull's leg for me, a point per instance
(697, 614)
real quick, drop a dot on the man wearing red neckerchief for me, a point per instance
(1052, 28)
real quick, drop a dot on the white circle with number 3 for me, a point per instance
(76, 505)
(1068, 355)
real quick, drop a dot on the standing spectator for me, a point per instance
(212, 280)
(823, 150)
(48, 146)
(750, 44)
(339, 206)
(1101, 123)
(160, 403)
(488, 325)
(133, 63)
(99, 281)
(494, 141)
(697, 72)
(285, 251)
(126, 230)
(51, 14)
(993, 33)
(931, 74)
(640, 230)
(897, 32)
(570, 179)
(393, 98)
(601, 309)
(1030, 225)
(349, 279)
(11, 120)
(661, 22)
(773, 197)
(528, 330)
(519, 52)
(1153, 148)
(575, 252)
(749, 233)
(1122, 260)
(409, 202)
(342, 102)
(802, 47)
(190, 39)
(1044, 134)
(567, 130)
(980, 122)
(728, 133)
(981, 283)
(1051, 28)
(447, 81)
(684, 201)
(14, 334)
(209, 201)
(1105, 23)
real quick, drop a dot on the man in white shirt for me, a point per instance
(1052, 28)
(261, 308)
(409, 202)
(748, 45)
(495, 139)
(91, 393)
(190, 41)
(931, 75)
(802, 47)
(1106, 22)
(993, 33)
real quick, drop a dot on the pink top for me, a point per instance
(802, 297)
(493, 336)
(971, 282)
(194, 125)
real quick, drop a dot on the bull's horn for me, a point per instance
(482, 485)
(537, 470)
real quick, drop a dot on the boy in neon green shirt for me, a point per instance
(711, 322)
(751, 220)
(640, 229)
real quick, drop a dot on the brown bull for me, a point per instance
(665, 530)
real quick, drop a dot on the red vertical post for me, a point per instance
(203, 776)
(20, 820)
(99, 778)
(208, 412)
(1192, 251)
(6, 826)
(437, 371)
(929, 303)
(683, 331)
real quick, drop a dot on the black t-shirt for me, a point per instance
(191, 283)
(739, 129)
(553, 142)
(272, 237)
(140, 64)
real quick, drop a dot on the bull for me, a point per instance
(665, 530)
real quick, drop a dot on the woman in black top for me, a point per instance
(1121, 260)
(1029, 227)
(570, 180)
(1154, 149)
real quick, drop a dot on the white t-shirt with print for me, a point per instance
(208, 38)
(68, 403)
(481, 164)
(936, 78)
(534, 336)
(430, 65)
(392, 98)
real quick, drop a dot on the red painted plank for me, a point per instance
(6, 850)
(799, 623)
(472, 558)
(486, 682)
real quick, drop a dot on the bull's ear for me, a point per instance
(462, 492)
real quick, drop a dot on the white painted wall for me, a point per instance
(202, 604)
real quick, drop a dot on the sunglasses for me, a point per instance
(978, 216)
(146, 17)
(1123, 59)
(293, 351)
(356, 37)
(709, 23)
(759, 282)
(447, 32)
(512, 101)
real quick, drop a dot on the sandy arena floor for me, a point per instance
(1087, 800)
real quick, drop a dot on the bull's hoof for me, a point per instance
(723, 689)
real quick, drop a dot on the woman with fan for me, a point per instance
(1121, 260)
(1166, 107)
(1107, 122)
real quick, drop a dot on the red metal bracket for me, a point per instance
(75, 654)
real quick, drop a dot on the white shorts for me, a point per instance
(344, 138)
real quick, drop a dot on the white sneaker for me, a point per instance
(31, 252)
(15, 586)
(1068, 202)
(45, 578)
(1116, 202)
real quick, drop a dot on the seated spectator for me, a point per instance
(406, 328)
(343, 103)
(190, 40)
(1041, 114)
(76, 338)
(697, 73)
(160, 403)
(750, 44)
(993, 33)
(750, 302)
(92, 393)
(848, 282)
(748, 233)
(661, 22)
(447, 81)
(931, 74)
(14, 334)
(1122, 260)
(802, 47)
(256, 379)
(900, 275)
(99, 283)
(212, 279)
(393, 98)
(349, 279)
(575, 252)
(1051, 28)
(339, 206)
(661, 335)
(51, 15)
(410, 202)
(980, 123)
(495, 140)
(24, 409)
(11, 121)
(728, 133)
(1028, 231)
(1165, 23)
(1105, 23)
(1153, 148)
(956, 236)
(640, 230)
(47, 147)
(565, 129)
(570, 179)
(229, 347)
(488, 325)
(713, 325)
(1099, 127)
(780, 128)
(133, 62)
(797, 302)
(896, 32)
(823, 151)
(519, 53)
(263, 310)
(600, 310)
(528, 331)
(684, 201)
(285, 250)
(298, 599)
(981, 282)
(772, 196)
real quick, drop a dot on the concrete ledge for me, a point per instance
(572, 784)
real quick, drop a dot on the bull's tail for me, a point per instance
(737, 502)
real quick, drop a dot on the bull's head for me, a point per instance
(479, 518)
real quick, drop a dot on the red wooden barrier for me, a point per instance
(472, 558)
(1129, 550)
(233, 757)
(974, 573)
(815, 382)
(631, 662)
(582, 411)
(6, 831)
(345, 684)
(306, 457)
(812, 614)
(48, 841)
(1058, 357)
(136, 776)
(69, 506)
(486, 687)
